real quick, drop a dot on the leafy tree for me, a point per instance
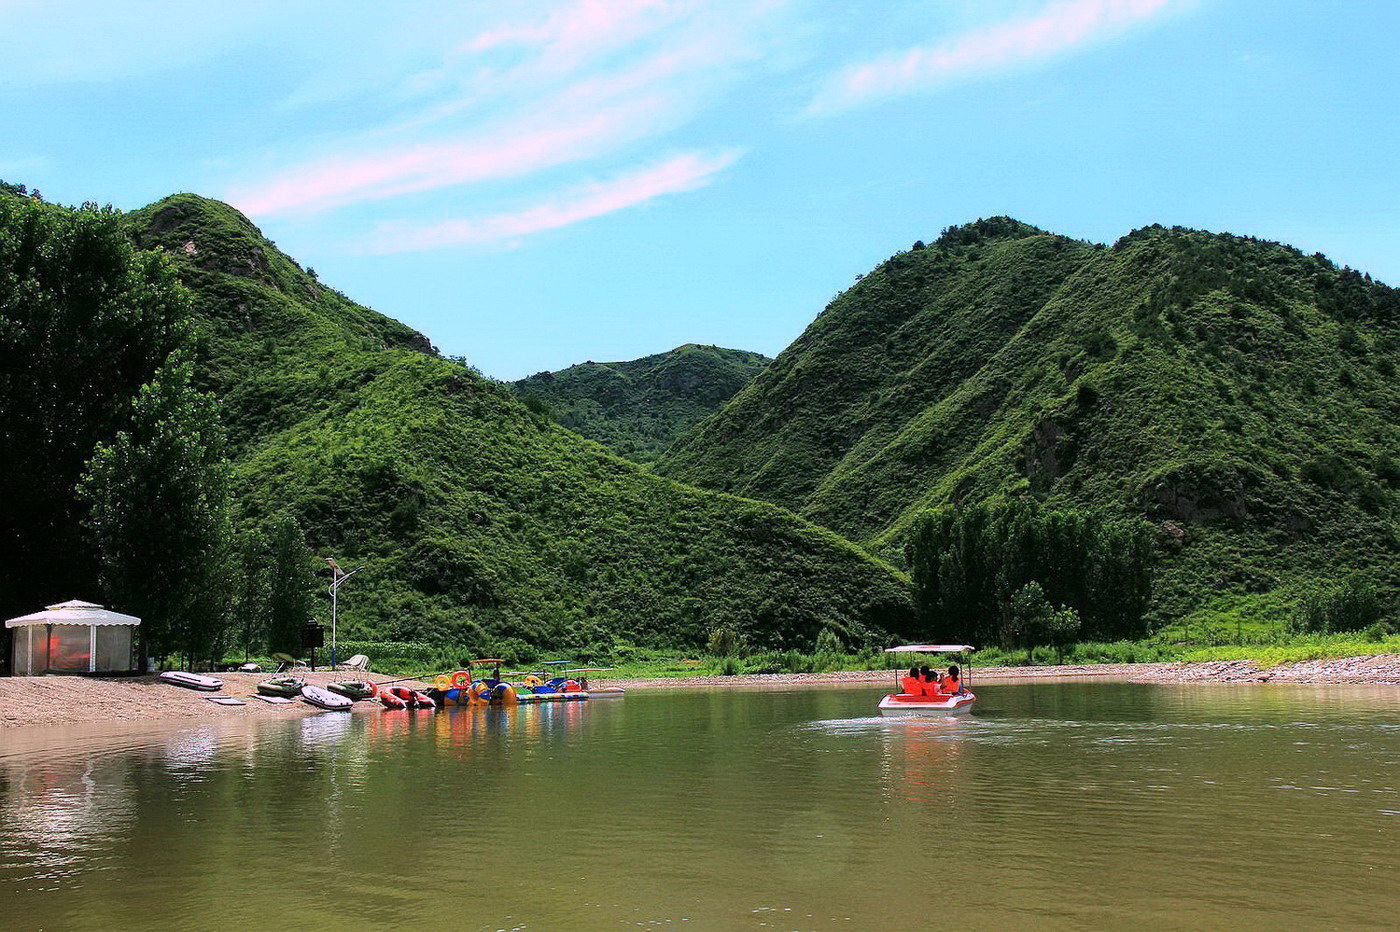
(1351, 605)
(252, 606)
(973, 568)
(1061, 629)
(291, 588)
(160, 519)
(1028, 616)
(85, 320)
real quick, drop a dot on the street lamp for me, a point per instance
(338, 576)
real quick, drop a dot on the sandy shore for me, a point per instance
(64, 700)
(54, 700)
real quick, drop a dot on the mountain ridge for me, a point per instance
(1238, 390)
(637, 407)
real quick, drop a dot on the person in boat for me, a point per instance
(911, 684)
(952, 682)
(930, 684)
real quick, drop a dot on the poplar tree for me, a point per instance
(291, 587)
(160, 517)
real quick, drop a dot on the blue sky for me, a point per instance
(533, 184)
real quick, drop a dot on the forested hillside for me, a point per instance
(479, 521)
(638, 407)
(1239, 393)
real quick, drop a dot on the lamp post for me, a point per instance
(338, 576)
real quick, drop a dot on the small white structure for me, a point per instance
(72, 637)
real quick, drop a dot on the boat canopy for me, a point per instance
(487, 660)
(929, 649)
(553, 663)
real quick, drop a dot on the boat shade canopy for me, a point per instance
(487, 660)
(553, 663)
(929, 649)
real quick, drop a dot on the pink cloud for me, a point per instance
(583, 25)
(1060, 27)
(685, 172)
(541, 141)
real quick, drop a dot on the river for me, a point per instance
(1058, 805)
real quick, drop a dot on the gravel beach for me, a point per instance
(61, 700)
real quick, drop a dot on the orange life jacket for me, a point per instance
(951, 685)
(912, 686)
(930, 687)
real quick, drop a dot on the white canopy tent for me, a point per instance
(72, 637)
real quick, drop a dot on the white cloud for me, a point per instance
(1059, 27)
(680, 173)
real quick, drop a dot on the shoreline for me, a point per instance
(34, 702)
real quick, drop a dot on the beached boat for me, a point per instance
(354, 690)
(285, 686)
(325, 699)
(192, 681)
(411, 698)
(958, 702)
(391, 701)
(594, 690)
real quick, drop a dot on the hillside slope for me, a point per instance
(479, 521)
(1238, 392)
(638, 407)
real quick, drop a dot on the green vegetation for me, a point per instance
(160, 520)
(637, 408)
(85, 321)
(1238, 394)
(482, 524)
(1016, 574)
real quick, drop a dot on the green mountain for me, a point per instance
(1239, 393)
(479, 521)
(639, 407)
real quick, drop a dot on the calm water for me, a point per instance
(1056, 805)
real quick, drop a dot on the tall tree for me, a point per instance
(252, 604)
(85, 320)
(160, 519)
(970, 563)
(292, 585)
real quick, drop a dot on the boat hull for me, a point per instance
(943, 706)
(606, 692)
(325, 699)
(206, 684)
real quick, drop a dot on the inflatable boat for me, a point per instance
(354, 690)
(192, 681)
(958, 702)
(325, 699)
(285, 686)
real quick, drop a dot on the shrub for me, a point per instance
(1353, 605)
(725, 642)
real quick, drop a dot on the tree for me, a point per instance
(1061, 629)
(969, 564)
(252, 604)
(291, 586)
(160, 519)
(85, 321)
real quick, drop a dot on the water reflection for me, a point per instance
(1056, 804)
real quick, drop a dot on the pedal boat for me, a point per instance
(959, 703)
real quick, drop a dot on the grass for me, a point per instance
(395, 658)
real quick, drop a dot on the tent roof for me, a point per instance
(74, 612)
(929, 649)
